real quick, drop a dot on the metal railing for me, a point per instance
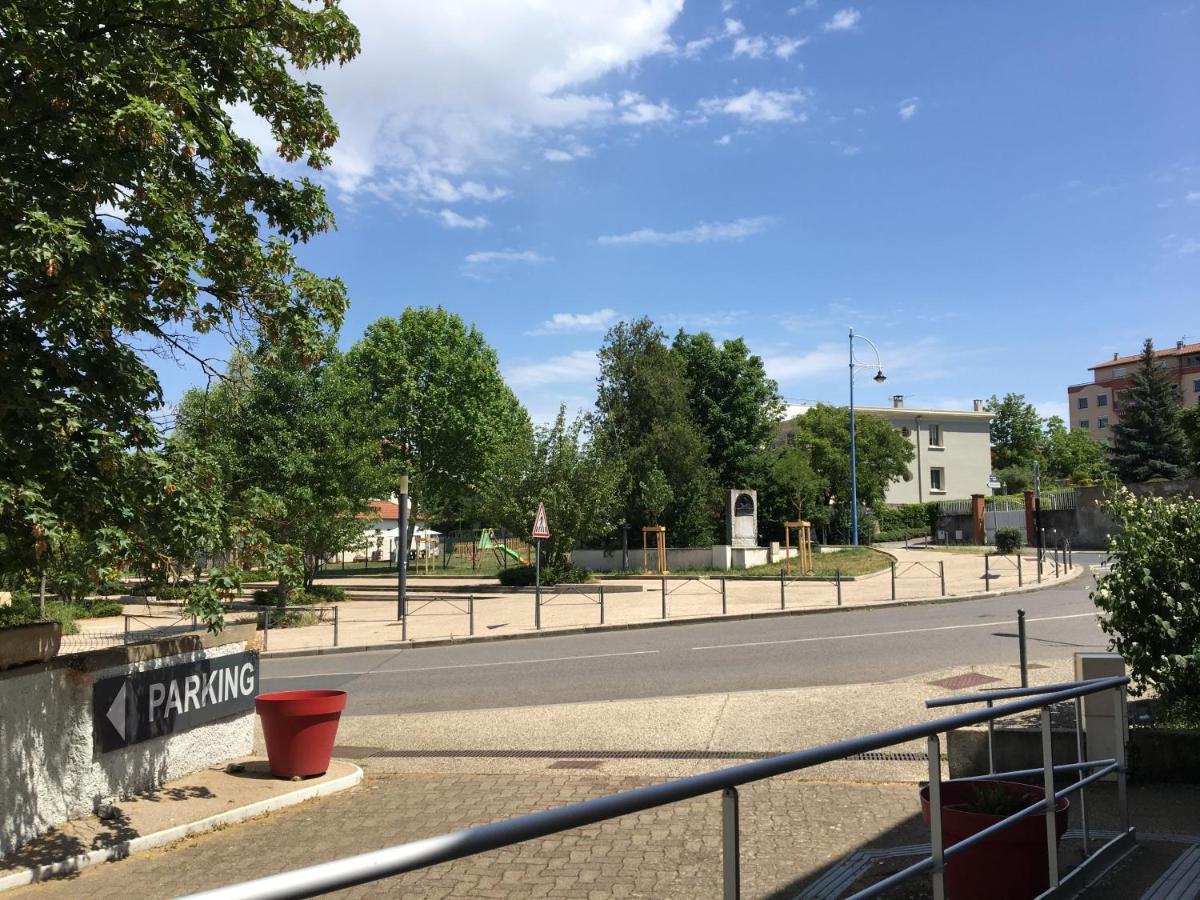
(379, 864)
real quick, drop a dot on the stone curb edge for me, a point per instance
(73, 864)
(658, 623)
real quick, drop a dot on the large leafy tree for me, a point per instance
(645, 427)
(440, 406)
(735, 404)
(1073, 456)
(1016, 431)
(1149, 442)
(301, 433)
(134, 217)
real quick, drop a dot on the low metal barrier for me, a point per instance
(379, 864)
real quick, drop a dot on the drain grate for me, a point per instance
(578, 755)
(576, 764)
(959, 682)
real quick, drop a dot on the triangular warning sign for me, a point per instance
(541, 528)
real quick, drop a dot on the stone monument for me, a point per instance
(741, 518)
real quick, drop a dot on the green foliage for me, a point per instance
(440, 407)
(525, 576)
(1073, 456)
(325, 593)
(1149, 441)
(899, 534)
(1017, 479)
(1189, 422)
(135, 218)
(645, 429)
(908, 516)
(996, 800)
(1009, 540)
(1016, 431)
(1150, 597)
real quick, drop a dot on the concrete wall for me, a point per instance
(50, 770)
(718, 556)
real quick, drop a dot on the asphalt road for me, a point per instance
(849, 647)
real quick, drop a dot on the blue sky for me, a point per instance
(999, 195)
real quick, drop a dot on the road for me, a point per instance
(866, 645)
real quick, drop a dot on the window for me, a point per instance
(1102, 422)
(1196, 385)
(1102, 400)
(1081, 403)
(937, 479)
(1193, 361)
(935, 435)
(1119, 372)
(1083, 423)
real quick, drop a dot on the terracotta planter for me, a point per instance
(300, 728)
(1011, 865)
(30, 643)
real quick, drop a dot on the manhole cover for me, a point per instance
(575, 764)
(959, 682)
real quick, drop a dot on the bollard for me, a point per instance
(601, 604)
(723, 607)
(470, 613)
(782, 591)
(893, 582)
(404, 624)
(987, 570)
(127, 629)
(266, 627)
(1055, 562)
(1039, 570)
(537, 610)
(664, 597)
(942, 575)
(1020, 576)
(837, 573)
(1021, 647)
(335, 626)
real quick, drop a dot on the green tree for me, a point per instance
(1189, 421)
(735, 404)
(644, 427)
(303, 436)
(1149, 441)
(441, 407)
(1016, 431)
(1073, 456)
(134, 217)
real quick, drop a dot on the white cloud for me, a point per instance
(1192, 197)
(582, 365)
(637, 110)
(843, 20)
(487, 257)
(450, 219)
(850, 150)
(760, 106)
(445, 95)
(727, 5)
(723, 141)
(908, 107)
(786, 46)
(754, 46)
(733, 27)
(555, 155)
(705, 232)
(569, 323)
(693, 49)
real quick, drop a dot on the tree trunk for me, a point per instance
(42, 596)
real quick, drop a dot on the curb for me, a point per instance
(73, 864)
(659, 623)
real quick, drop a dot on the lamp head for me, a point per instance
(880, 378)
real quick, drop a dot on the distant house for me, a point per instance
(953, 457)
(381, 529)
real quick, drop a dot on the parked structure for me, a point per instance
(953, 451)
(1095, 406)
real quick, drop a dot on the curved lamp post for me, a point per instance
(879, 378)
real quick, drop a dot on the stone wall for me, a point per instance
(50, 769)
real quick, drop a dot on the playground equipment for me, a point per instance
(660, 545)
(488, 542)
(803, 531)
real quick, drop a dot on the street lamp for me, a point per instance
(879, 378)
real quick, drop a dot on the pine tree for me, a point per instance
(1148, 442)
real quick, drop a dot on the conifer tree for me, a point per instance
(1148, 442)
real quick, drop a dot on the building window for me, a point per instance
(1102, 400)
(1083, 423)
(1196, 385)
(1081, 403)
(937, 479)
(1102, 422)
(935, 435)
(1119, 372)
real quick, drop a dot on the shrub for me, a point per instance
(326, 593)
(523, 576)
(64, 613)
(1151, 594)
(907, 517)
(172, 593)
(899, 534)
(1009, 540)
(97, 609)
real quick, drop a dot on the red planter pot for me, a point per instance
(1011, 865)
(300, 727)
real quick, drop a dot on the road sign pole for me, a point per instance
(537, 585)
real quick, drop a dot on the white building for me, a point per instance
(953, 451)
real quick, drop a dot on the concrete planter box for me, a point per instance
(31, 643)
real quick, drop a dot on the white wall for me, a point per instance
(965, 455)
(49, 768)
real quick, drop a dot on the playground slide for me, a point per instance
(487, 542)
(513, 553)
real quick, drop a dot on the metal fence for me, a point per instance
(374, 866)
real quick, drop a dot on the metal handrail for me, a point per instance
(366, 867)
(987, 694)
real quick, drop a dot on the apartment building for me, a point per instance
(953, 452)
(1095, 406)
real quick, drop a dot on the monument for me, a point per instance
(741, 518)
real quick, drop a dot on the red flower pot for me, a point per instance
(1011, 865)
(300, 727)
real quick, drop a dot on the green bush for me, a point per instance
(172, 593)
(64, 613)
(325, 593)
(1150, 596)
(918, 517)
(899, 534)
(24, 609)
(523, 576)
(1009, 540)
(97, 609)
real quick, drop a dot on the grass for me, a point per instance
(849, 561)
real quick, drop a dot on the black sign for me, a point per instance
(133, 708)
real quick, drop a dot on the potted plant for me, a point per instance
(1010, 865)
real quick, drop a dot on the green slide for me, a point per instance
(486, 543)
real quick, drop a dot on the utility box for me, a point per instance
(1100, 714)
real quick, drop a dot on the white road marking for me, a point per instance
(510, 662)
(869, 634)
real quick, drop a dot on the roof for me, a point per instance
(386, 509)
(909, 411)
(1170, 351)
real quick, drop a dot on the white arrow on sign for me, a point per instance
(116, 712)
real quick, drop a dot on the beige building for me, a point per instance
(1095, 406)
(953, 456)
